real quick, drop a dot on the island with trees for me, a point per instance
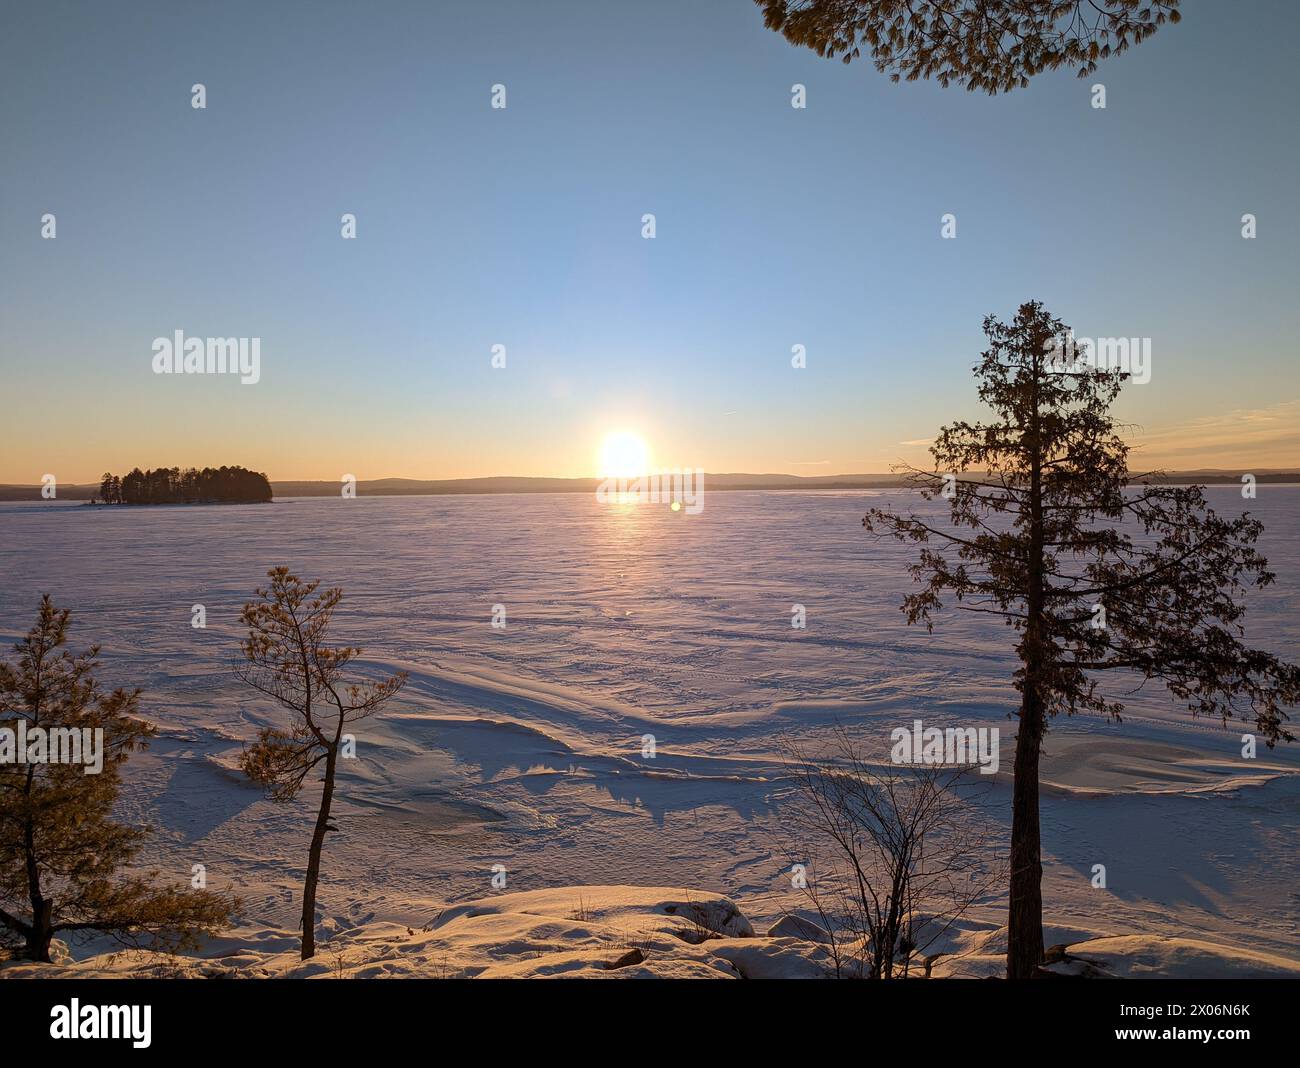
(172, 485)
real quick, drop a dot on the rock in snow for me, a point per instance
(792, 925)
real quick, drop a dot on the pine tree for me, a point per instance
(60, 848)
(1048, 531)
(287, 660)
(991, 45)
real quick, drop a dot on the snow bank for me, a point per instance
(1148, 956)
(577, 932)
(633, 932)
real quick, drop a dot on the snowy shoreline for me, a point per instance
(626, 932)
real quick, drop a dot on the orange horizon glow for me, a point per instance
(1239, 440)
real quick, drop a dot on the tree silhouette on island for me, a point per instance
(171, 485)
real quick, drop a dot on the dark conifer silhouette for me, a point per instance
(993, 45)
(60, 849)
(287, 659)
(1048, 531)
(171, 485)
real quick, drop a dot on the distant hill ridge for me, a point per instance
(398, 487)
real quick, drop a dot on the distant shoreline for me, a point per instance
(405, 487)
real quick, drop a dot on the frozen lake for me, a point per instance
(522, 745)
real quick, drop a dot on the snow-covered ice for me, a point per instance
(522, 747)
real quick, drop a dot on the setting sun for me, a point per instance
(624, 455)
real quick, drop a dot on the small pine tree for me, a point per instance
(60, 849)
(287, 659)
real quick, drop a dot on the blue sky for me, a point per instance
(522, 226)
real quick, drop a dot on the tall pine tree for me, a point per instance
(1050, 533)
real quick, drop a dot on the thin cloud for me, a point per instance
(1263, 437)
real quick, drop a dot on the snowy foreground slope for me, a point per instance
(625, 932)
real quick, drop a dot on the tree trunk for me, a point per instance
(37, 936)
(1025, 909)
(1025, 914)
(313, 860)
(40, 934)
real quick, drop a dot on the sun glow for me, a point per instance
(624, 455)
